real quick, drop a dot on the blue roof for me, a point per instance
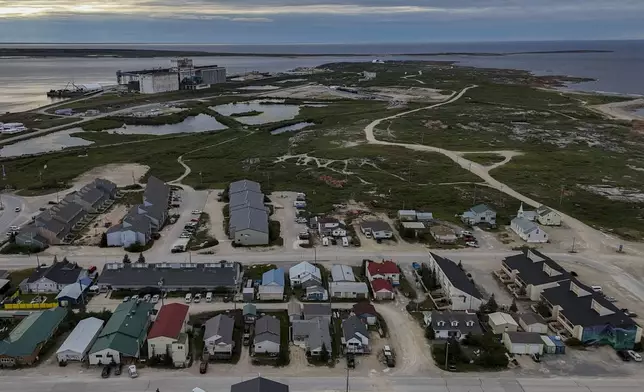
(275, 276)
(557, 342)
(85, 281)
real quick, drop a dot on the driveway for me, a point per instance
(285, 213)
(190, 200)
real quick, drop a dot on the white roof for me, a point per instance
(342, 273)
(304, 268)
(413, 225)
(73, 290)
(271, 289)
(525, 225)
(499, 318)
(348, 287)
(82, 336)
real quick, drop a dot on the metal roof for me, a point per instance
(259, 384)
(248, 218)
(72, 290)
(125, 331)
(267, 328)
(481, 208)
(169, 321)
(156, 192)
(274, 276)
(525, 337)
(342, 273)
(352, 326)
(246, 199)
(82, 336)
(348, 287)
(244, 185)
(525, 225)
(222, 326)
(31, 332)
(456, 276)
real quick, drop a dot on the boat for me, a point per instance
(9, 128)
(71, 90)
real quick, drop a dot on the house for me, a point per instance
(80, 340)
(443, 234)
(169, 334)
(312, 311)
(407, 215)
(157, 193)
(74, 294)
(248, 217)
(366, 312)
(30, 236)
(358, 290)
(340, 231)
(523, 342)
(312, 335)
(23, 344)
(342, 273)
(123, 335)
(243, 186)
(382, 289)
(53, 278)
(588, 316)
(532, 272)
(250, 313)
(414, 228)
(355, 337)
(526, 214)
(533, 322)
(304, 272)
(294, 310)
(385, 269)
(424, 216)
(528, 231)
(272, 287)
(500, 322)
(218, 276)
(134, 229)
(455, 284)
(376, 229)
(267, 336)
(478, 214)
(218, 336)
(316, 293)
(246, 199)
(327, 226)
(259, 384)
(449, 324)
(543, 215)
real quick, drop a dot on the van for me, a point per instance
(209, 296)
(188, 298)
(325, 241)
(345, 241)
(597, 289)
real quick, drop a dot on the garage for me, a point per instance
(79, 341)
(523, 342)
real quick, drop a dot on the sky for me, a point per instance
(317, 21)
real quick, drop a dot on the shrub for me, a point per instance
(574, 342)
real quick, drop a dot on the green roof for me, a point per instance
(125, 331)
(250, 309)
(35, 329)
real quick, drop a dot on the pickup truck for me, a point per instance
(390, 358)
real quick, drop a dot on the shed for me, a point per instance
(406, 215)
(80, 340)
(502, 322)
(72, 294)
(424, 216)
(248, 294)
(523, 342)
(532, 322)
(294, 311)
(549, 346)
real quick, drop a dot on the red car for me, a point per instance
(92, 269)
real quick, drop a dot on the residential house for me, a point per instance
(414, 228)
(358, 290)
(312, 335)
(328, 226)
(449, 324)
(304, 272)
(382, 289)
(267, 336)
(134, 229)
(316, 293)
(455, 284)
(53, 278)
(259, 384)
(157, 193)
(30, 236)
(248, 217)
(407, 215)
(533, 322)
(376, 229)
(588, 316)
(312, 311)
(80, 340)
(528, 231)
(250, 313)
(169, 334)
(246, 199)
(366, 312)
(443, 234)
(478, 214)
(74, 294)
(531, 272)
(543, 215)
(124, 334)
(500, 322)
(219, 276)
(218, 336)
(23, 344)
(355, 336)
(523, 342)
(294, 310)
(342, 273)
(385, 269)
(272, 287)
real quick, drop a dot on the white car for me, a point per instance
(155, 298)
(472, 244)
(197, 298)
(188, 298)
(196, 212)
(134, 298)
(17, 209)
(126, 299)
(184, 235)
(14, 228)
(464, 233)
(147, 297)
(636, 357)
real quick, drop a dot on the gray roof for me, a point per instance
(294, 308)
(342, 273)
(30, 232)
(62, 272)
(303, 327)
(250, 309)
(525, 225)
(376, 225)
(69, 212)
(448, 317)
(244, 185)
(348, 287)
(136, 222)
(532, 318)
(353, 325)
(457, 276)
(319, 335)
(93, 196)
(249, 218)
(267, 328)
(481, 208)
(156, 211)
(543, 210)
(246, 199)
(259, 384)
(173, 274)
(56, 227)
(313, 310)
(104, 185)
(222, 326)
(156, 192)
(530, 265)
(525, 337)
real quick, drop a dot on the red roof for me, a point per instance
(364, 307)
(385, 267)
(169, 321)
(381, 284)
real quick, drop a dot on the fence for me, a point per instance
(47, 305)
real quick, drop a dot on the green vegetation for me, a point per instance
(484, 159)
(256, 271)
(202, 238)
(461, 356)
(34, 120)
(18, 276)
(246, 114)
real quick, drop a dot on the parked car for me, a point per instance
(118, 370)
(636, 357)
(147, 297)
(106, 371)
(536, 358)
(351, 361)
(14, 228)
(472, 244)
(196, 212)
(132, 371)
(188, 298)
(203, 367)
(134, 297)
(155, 298)
(611, 299)
(623, 354)
(197, 298)
(126, 299)
(209, 296)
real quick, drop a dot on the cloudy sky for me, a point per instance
(317, 21)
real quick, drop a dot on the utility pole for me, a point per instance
(446, 351)
(572, 250)
(474, 196)
(561, 195)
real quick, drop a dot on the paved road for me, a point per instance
(9, 216)
(183, 382)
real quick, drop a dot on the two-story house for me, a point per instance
(532, 272)
(455, 284)
(168, 335)
(355, 336)
(386, 269)
(478, 214)
(218, 336)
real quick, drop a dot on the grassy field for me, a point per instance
(484, 159)
(34, 120)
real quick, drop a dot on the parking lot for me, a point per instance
(189, 200)
(285, 213)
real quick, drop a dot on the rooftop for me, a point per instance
(375, 225)
(62, 272)
(457, 276)
(222, 326)
(525, 337)
(364, 307)
(33, 330)
(532, 318)
(481, 208)
(465, 322)
(525, 225)
(383, 267)
(535, 268)
(381, 284)
(244, 185)
(82, 335)
(342, 273)
(248, 218)
(259, 384)
(169, 321)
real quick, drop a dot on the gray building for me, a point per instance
(480, 213)
(248, 217)
(312, 311)
(448, 324)
(312, 335)
(267, 336)
(259, 384)
(220, 276)
(218, 336)
(211, 74)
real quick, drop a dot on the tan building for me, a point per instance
(168, 335)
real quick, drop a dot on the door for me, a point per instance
(519, 348)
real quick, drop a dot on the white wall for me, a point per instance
(266, 347)
(250, 237)
(102, 356)
(160, 83)
(159, 345)
(462, 301)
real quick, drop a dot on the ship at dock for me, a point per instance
(72, 90)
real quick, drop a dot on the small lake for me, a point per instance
(639, 111)
(199, 123)
(48, 143)
(271, 112)
(291, 128)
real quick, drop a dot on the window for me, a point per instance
(152, 345)
(454, 323)
(179, 347)
(441, 323)
(99, 355)
(470, 323)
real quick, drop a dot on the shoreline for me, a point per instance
(621, 110)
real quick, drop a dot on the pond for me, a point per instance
(272, 111)
(199, 123)
(291, 128)
(48, 143)
(639, 111)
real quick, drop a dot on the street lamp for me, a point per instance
(160, 284)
